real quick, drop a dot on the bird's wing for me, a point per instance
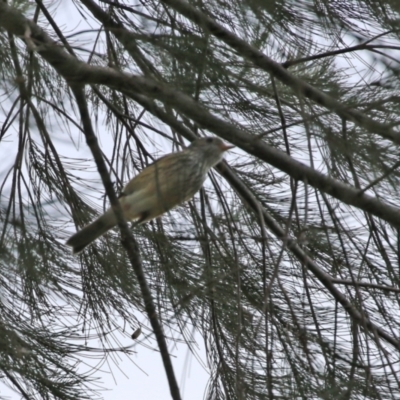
(165, 184)
(149, 176)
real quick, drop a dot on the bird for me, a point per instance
(168, 182)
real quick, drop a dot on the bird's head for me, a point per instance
(211, 149)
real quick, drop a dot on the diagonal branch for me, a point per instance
(127, 240)
(242, 190)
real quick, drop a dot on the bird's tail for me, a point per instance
(92, 231)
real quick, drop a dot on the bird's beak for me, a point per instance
(225, 147)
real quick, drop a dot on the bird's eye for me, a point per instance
(209, 140)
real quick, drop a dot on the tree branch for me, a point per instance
(127, 240)
(242, 190)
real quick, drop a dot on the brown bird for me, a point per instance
(168, 182)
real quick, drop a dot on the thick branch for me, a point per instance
(242, 190)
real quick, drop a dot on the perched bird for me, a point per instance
(168, 182)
